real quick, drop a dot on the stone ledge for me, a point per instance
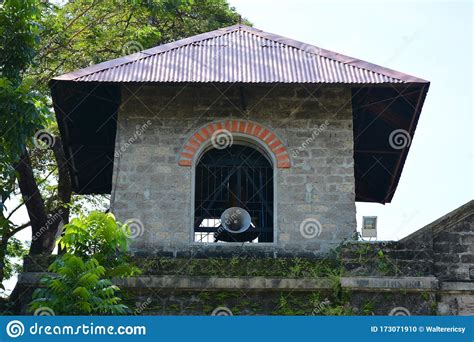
(219, 284)
(392, 284)
(191, 283)
(457, 286)
(409, 284)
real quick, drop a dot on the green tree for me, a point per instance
(39, 40)
(96, 247)
(85, 32)
(23, 111)
(100, 236)
(78, 288)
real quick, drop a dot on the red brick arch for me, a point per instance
(255, 130)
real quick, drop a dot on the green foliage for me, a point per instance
(95, 248)
(326, 302)
(19, 36)
(78, 287)
(385, 265)
(93, 234)
(83, 32)
(40, 40)
(372, 254)
(242, 266)
(22, 109)
(312, 304)
(368, 308)
(22, 113)
(101, 236)
(363, 251)
(16, 250)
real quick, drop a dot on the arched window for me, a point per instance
(236, 176)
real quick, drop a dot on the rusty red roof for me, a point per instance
(238, 53)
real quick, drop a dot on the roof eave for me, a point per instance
(402, 160)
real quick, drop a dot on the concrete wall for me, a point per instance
(149, 186)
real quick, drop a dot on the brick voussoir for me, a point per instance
(185, 162)
(235, 126)
(211, 128)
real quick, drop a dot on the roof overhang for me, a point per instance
(87, 118)
(86, 101)
(385, 119)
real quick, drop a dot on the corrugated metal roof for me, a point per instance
(238, 53)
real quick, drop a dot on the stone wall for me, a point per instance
(285, 298)
(154, 123)
(297, 293)
(454, 251)
(451, 241)
(443, 249)
(388, 258)
(409, 277)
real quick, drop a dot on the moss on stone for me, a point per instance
(241, 267)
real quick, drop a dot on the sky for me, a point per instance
(428, 39)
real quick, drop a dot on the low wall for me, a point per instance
(197, 295)
(429, 272)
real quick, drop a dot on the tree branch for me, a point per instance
(32, 198)
(13, 211)
(17, 229)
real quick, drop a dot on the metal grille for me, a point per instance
(237, 176)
